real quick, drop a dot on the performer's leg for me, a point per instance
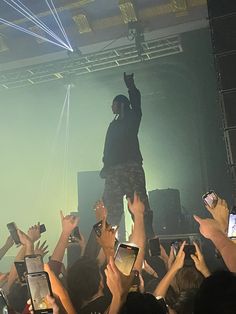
(113, 198)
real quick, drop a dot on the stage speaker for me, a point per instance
(218, 8)
(228, 100)
(166, 211)
(231, 141)
(90, 189)
(227, 71)
(224, 34)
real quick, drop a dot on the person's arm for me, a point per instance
(220, 213)
(8, 244)
(138, 236)
(60, 291)
(107, 239)
(200, 262)
(164, 284)
(211, 229)
(68, 223)
(118, 285)
(134, 93)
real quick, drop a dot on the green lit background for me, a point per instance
(180, 135)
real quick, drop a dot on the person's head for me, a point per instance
(120, 104)
(17, 297)
(184, 303)
(188, 277)
(140, 303)
(217, 294)
(84, 281)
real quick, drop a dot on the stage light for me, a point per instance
(127, 11)
(179, 5)
(26, 12)
(82, 22)
(3, 46)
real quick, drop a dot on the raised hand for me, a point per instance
(24, 238)
(41, 249)
(137, 207)
(220, 213)
(108, 234)
(117, 282)
(129, 80)
(200, 262)
(68, 223)
(179, 260)
(208, 227)
(34, 232)
(100, 210)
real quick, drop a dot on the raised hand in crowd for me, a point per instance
(41, 249)
(178, 263)
(107, 239)
(199, 261)
(220, 213)
(138, 234)
(118, 284)
(51, 300)
(34, 232)
(59, 290)
(211, 229)
(68, 224)
(100, 210)
(27, 242)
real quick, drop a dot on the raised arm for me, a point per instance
(134, 93)
(68, 223)
(138, 236)
(8, 244)
(211, 229)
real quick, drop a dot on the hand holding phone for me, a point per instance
(39, 288)
(33, 263)
(154, 247)
(210, 199)
(13, 232)
(232, 224)
(125, 257)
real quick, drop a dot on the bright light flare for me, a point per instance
(26, 12)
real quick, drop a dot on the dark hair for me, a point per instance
(217, 294)
(140, 303)
(17, 297)
(83, 281)
(184, 303)
(188, 277)
(122, 99)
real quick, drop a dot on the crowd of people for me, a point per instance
(93, 284)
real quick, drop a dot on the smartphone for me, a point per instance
(176, 246)
(232, 225)
(154, 247)
(125, 257)
(21, 271)
(98, 228)
(3, 303)
(39, 287)
(210, 198)
(34, 263)
(42, 228)
(75, 234)
(13, 232)
(189, 249)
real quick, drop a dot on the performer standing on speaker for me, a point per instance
(123, 170)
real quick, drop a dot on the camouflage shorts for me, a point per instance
(123, 180)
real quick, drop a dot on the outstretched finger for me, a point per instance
(61, 214)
